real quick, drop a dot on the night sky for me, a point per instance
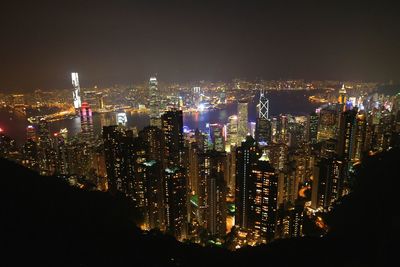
(115, 41)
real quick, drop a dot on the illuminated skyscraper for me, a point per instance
(342, 99)
(347, 133)
(31, 133)
(175, 200)
(30, 154)
(154, 103)
(359, 142)
(216, 193)
(86, 122)
(153, 179)
(246, 155)
(217, 137)
(124, 157)
(243, 121)
(264, 105)
(46, 155)
(172, 127)
(196, 96)
(154, 138)
(313, 128)
(327, 124)
(60, 148)
(212, 192)
(263, 131)
(232, 132)
(263, 193)
(76, 93)
(327, 184)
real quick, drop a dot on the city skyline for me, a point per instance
(199, 133)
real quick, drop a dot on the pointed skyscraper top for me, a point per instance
(263, 105)
(264, 157)
(342, 90)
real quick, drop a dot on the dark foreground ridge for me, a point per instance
(45, 222)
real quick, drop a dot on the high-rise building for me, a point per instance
(79, 157)
(154, 138)
(212, 192)
(313, 127)
(243, 121)
(290, 222)
(246, 155)
(263, 105)
(347, 131)
(359, 145)
(175, 201)
(124, 157)
(327, 125)
(60, 148)
(263, 131)
(154, 192)
(30, 155)
(172, 127)
(232, 133)
(217, 137)
(283, 128)
(277, 154)
(46, 155)
(264, 199)
(86, 122)
(154, 103)
(327, 184)
(76, 93)
(31, 133)
(196, 96)
(342, 99)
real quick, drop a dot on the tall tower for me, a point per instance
(154, 194)
(212, 191)
(45, 151)
(31, 133)
(76, 93)
(242, 120)
(172, 126)
(175, 199)
(217, 137)
(216, 193)
(342, 99)
(327, 184)
(154, 138)
(232, 132)
(246, 156)
(86, 122)
(154, 104)
(342, 95)
(313, 127)
(359, 137)
(264, 105)
(264, 197)
(327, 124)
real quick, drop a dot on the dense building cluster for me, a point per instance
(249, 184)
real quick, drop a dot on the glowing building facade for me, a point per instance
(76, 93)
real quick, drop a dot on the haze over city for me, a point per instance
(128, 41)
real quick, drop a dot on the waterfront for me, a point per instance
(285, 102)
